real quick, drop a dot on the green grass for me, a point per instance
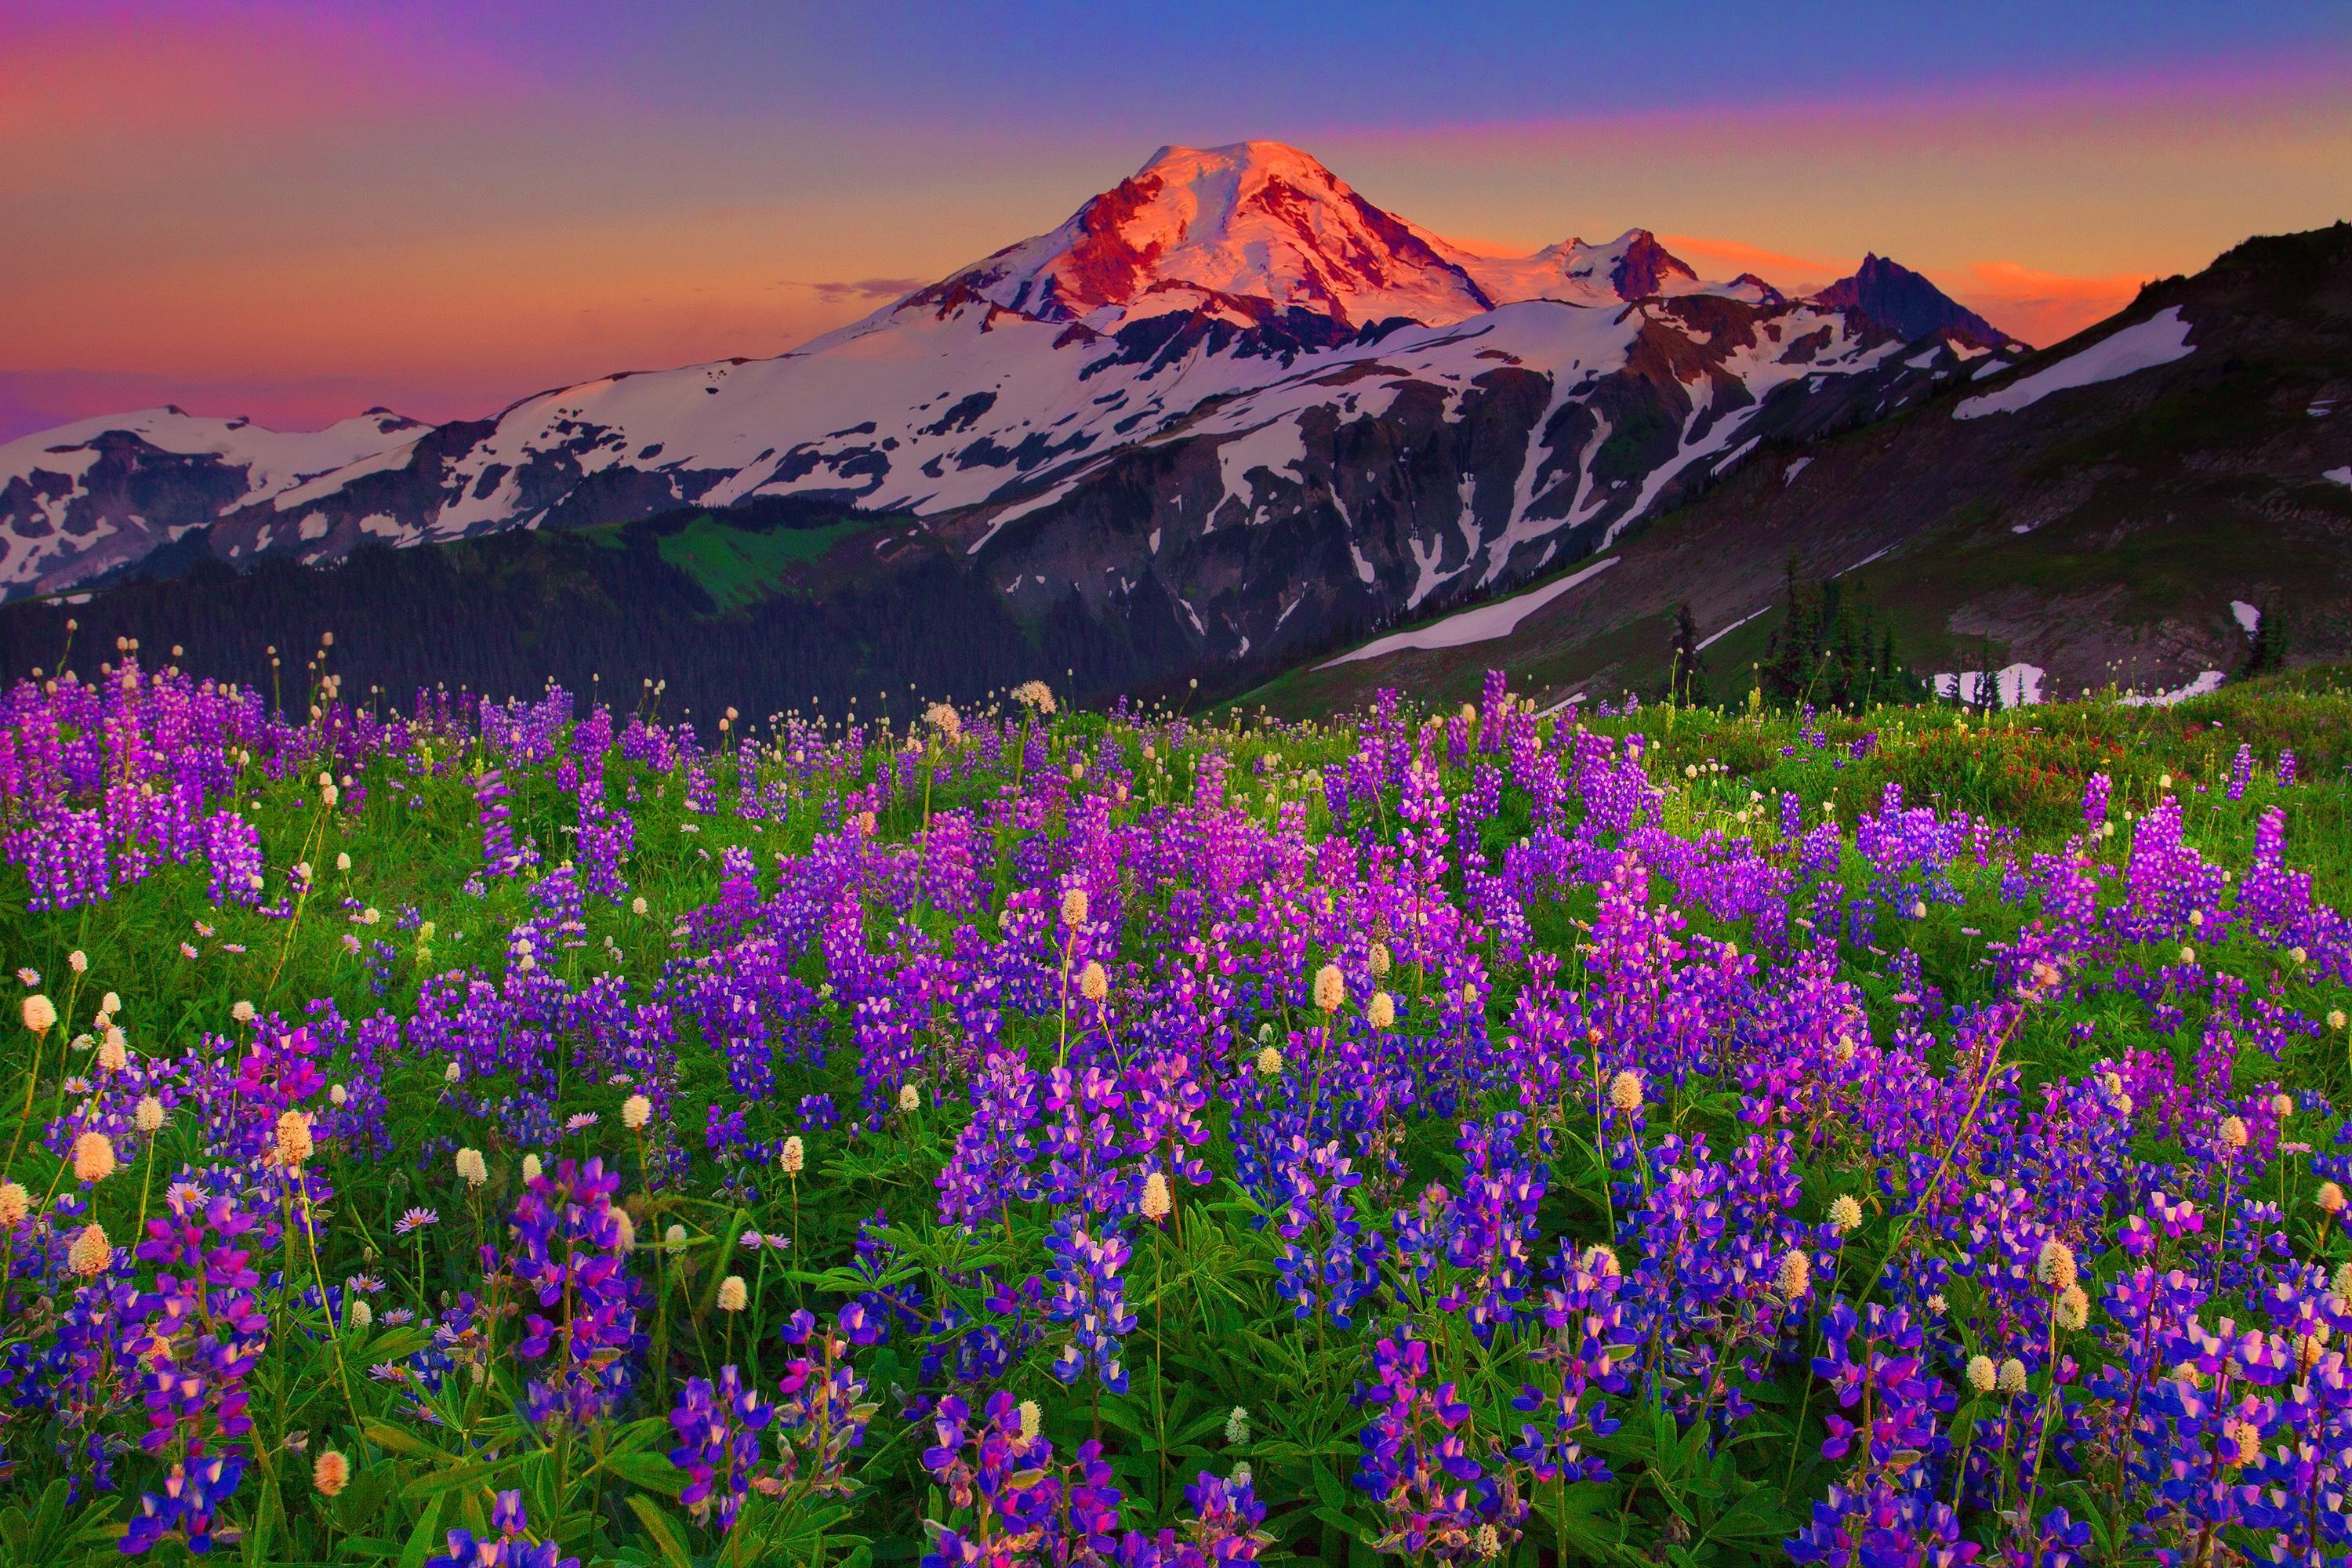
(737, 565)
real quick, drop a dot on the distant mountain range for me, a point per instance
(1229, 415)
(1235, 330)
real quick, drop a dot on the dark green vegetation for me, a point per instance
(764, 607)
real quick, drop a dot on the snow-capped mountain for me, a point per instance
(101, 494)
(1227, 389)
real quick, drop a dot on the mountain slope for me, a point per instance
(1234, 331)
(2120, 508)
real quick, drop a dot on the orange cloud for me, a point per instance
(2043, 308)
(1721, 258)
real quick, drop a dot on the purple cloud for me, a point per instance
(868, 287)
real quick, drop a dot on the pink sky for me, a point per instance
(296, 213)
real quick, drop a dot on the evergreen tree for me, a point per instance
(1834, 649)
(2268, 653)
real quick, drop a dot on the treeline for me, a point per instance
(1833, 648)
(503, 613)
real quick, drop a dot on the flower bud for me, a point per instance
(1625, 1093)
(733, 1294)
(1982, 1374)
(1331, 989)
(795, 1155)
(1156, 1203)
(294, 1143)
(2055, 1268)
(330, 1473)
(1093, 983)
(40, 1014)
(93, 1157)
(635, 1112)
(91, 1254)
(1845, 1213)
(1381, 1013)
(2073, 1307)
(471, 1168)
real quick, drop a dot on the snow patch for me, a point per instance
(2207, 681)
(2250, 618)
(1714, 637)
(2160, 340)
(1790, 476)
(2342, 476)
(1481, 623)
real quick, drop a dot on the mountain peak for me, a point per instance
(1243, 230)
(1907, 304)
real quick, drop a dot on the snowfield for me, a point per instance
(2160, 340)
(1482, 623)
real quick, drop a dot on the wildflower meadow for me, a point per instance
(541, 1133)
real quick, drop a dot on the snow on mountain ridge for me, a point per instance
(154, 474)
(1254, 221)
(1228, 296)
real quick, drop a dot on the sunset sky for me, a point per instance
(299, 211)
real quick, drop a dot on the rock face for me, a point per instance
(1909, 306)
(1229, 391)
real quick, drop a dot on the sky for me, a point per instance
(297, 211)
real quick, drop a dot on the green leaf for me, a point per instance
(400, 1440)
(395, 1344)
(1330, 1490)
(451, 1477)
(1336, 1521)
(657, 1525)
(426, 1538)
(651, 1472)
